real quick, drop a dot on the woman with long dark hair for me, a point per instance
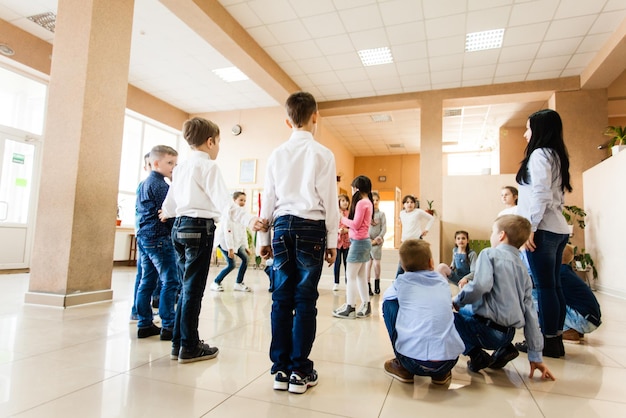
(544, 178)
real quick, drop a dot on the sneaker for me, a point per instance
(571, 336)
(216, 287)
(502, 356)
(299, 384)
(479, 359)
(281, 381)
(241, 287)
(175, 352)
(146, 332)
(523, 346)
(201, 352)
(442, 380)
(394, 369)
(166, 334)
(335, 287)
(365, 310)
(345, 311)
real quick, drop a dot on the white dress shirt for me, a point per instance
(301, 180)
(198, 190)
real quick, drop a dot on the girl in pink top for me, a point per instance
(358, 220)
(343, 240)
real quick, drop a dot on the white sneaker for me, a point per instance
(365, 310)
(345, 311)
(216, 287)
(241, 287)
(335, 287)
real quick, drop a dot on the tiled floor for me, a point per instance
(87, 362)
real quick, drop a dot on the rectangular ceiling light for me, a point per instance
(230, 74)
(381, 118)
(45, 20)
(489, 39)
(376, 56)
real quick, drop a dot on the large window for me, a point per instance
(140, 135)
(22, 102)
(470, 163)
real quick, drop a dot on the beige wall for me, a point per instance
(402, 171)
(512, 146)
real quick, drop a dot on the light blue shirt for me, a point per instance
(425, 322)
(501, 291)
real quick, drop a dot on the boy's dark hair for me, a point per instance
(415, 255)
(517, 228)
(159, 151)
(196, 131)
(237, 194)
(362, 184)
(413, 198)
(300, 107)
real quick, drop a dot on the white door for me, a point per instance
(19, 174)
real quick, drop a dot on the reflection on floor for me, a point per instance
(87, 362)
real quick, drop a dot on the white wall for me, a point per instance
(605, 199)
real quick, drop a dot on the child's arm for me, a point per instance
(359, 216)
(383, 228)
(481, 284)
(430, 218)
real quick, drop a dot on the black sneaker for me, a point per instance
(523, 347)
(503, 355)
(146, 332)
(201, 352)
(281, 381)
(175, 352)
(299, 384)
(166, 334)
(479, 359)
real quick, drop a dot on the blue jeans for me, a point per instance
(157, 289)
(158, 263)
(193, 241)
(476, 334)
(545, 267)
(241, 253)
(419, 367)
(299, 246)
(342, 253)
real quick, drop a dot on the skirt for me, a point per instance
(359, 250)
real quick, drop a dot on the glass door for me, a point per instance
(18, 187)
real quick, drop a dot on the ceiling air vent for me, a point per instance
(452, 112)
(45, 20)
(396, 146)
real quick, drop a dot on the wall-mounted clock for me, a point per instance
(236, 130)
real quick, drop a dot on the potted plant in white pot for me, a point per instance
(617, 142)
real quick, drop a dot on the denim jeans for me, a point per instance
(299, 246)
(418, 367)
(193, 241)
(342, 253)
(241, 253)
(477, 334)
(545, 266)
(155, 293)
(158, 263)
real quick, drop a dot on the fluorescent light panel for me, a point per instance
(376, 56)
(45, 20)
(230, 74)
(489, 39)
(381, 118)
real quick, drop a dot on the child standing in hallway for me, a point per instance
(300, 200)
(358, 220)
(377, 231)
(343, 240)
(411, 219)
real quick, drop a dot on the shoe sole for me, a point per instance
(200, 358)
(300, 389)
(336, 315)
(500, 363)
(445, 381)
(400, 378)
(364, 315)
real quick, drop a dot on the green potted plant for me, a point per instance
(430, 209)
(574, 215)
(618, 138)
(584, 262)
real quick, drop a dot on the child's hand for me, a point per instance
(462, 282)
(231, 253)
(258, 224)
(162, 216)
(545, 372)
(331, 255)
(265, 252)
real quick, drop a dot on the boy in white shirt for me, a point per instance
(197, 197)
(300, 200)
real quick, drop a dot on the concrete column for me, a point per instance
(431, 168)
(73, 245)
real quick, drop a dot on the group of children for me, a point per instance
(300, 202)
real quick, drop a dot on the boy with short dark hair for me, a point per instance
(157, 256)
(197, 197)
(419, 320)
(501, 299)
(300, 199)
